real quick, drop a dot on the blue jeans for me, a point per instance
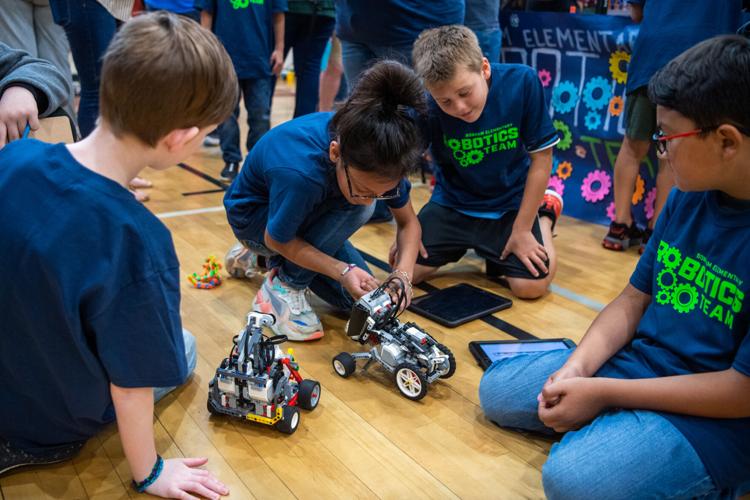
(490, 41)
(620, 454)
(359, 56)
(257, 95)
(328, 229)
(89, 29)
(190, 356)
(308, 36)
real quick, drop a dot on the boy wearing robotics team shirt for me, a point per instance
(492, 142)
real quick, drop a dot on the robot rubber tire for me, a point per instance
(289, 421)
(410, 381)
(344, 364)
(451, 360)
(308, 396)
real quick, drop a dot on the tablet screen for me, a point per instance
(458, 302)
(505, 350)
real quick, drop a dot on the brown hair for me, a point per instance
(438, 52)
(163, 72)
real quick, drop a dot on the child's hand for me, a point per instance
(17, 108)
(579, 400)
(277, 61)
(181, 476)
(358, 282)
(567, 371)
(393, 253)
(525, 246)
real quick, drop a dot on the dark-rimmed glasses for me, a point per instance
(388, 195)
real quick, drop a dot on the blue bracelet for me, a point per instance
(155, 472)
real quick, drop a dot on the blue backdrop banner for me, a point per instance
(582, 62)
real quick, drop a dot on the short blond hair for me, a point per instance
(163, 72)
(438, 52)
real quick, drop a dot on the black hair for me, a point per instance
(708, 83)
(377, 126)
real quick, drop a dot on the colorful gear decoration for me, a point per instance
(611, 211)
(474, 156)
(672, 258)
(680, 291)
(660, 279)
(463, 162)
(580, 151)
(663, 297)
(564, 88)
(640, 189)
(592, 194)
(615, 65)
(564, 169)
(592, 120)
(545, 77)
(567, 137)
(597, 103)
(454, 144)
(557, 184)
(616, 105)
(649, 204)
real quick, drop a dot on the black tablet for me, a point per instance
(487, 351)
(458, 304)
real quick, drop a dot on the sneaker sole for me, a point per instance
(265, 307)
(29, 464)
(618, 245)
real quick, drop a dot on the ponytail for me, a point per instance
(377, 126)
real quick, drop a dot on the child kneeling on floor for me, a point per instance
(310, 183)
(91, 324)
(655, 401)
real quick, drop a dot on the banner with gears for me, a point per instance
(582, 63)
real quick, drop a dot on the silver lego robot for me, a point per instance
(258, 382)
(413, 357)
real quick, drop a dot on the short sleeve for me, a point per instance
(139, 334)
(291, 199)
(642, 277)
(742, 358)
(537, 131)
(206, 5)
(404, 188)
(279, 6)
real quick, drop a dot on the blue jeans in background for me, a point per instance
(308, 36)
(359, 56)
(621, 454)
(328, 229)
(257, 95)
(490, 41)
(89, 29)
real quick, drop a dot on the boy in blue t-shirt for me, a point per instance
(253, 34)
(94, 325)
(492, 142)
(655, 398)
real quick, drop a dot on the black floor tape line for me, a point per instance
(493, 321)
(207, 191)
(203, 176)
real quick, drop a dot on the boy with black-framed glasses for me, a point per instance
(663, 374)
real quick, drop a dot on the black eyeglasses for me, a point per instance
(388, 195)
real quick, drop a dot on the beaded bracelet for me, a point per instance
(348, 268)
(155, 472)
(406, 279)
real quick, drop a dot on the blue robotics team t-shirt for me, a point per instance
(97, 299)
(289, 175)
(481, 167)
(695, 269)
(670, 27)
(393, 22)
(245, 27)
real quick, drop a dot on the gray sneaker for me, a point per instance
(240, 262)
(12, 457)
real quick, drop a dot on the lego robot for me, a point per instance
(258, 382)
(413, 357)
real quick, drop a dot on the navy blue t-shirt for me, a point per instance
(92, 297)
(393, 22)
(481, 167)
(288, 173)
(695, 268)
(245, 27)
(670, 27)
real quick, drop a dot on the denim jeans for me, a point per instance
(359, 56)
(89, 28)
(190, 356)
(308, 36)
(328, 229)
(620, 454)
(257, 95)
(490, 41)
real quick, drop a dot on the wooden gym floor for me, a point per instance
(364, 440)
